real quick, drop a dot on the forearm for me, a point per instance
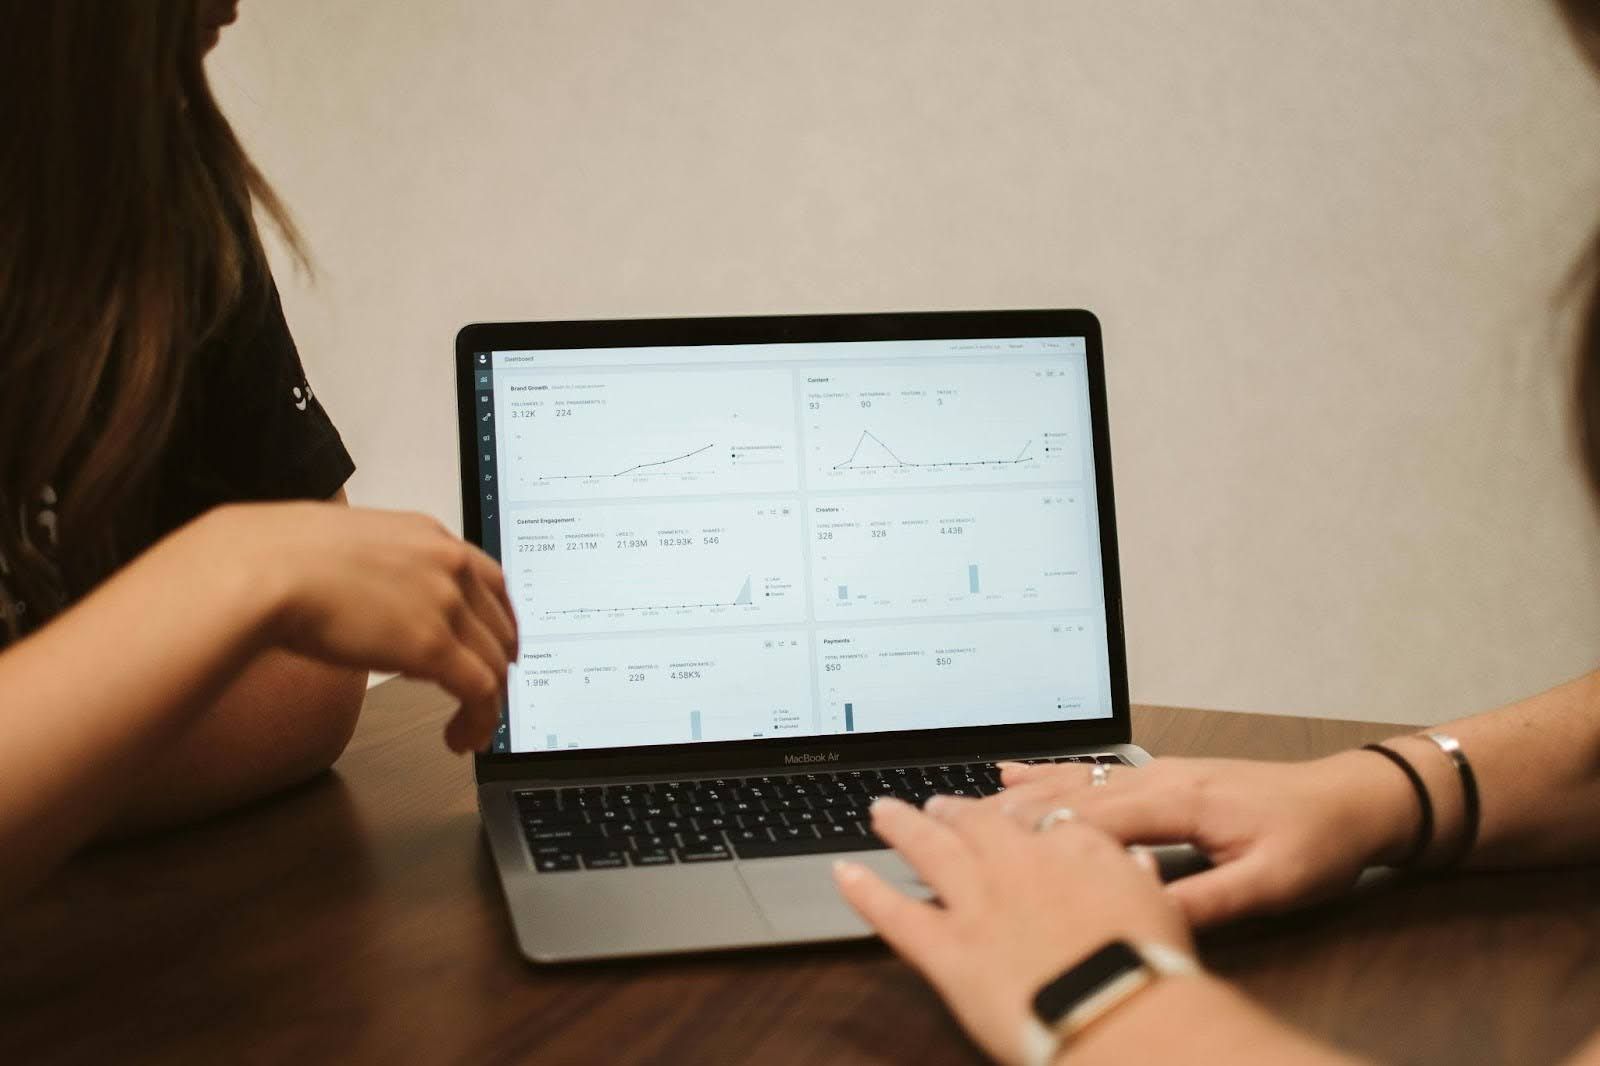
(1537, 765)
(104, 686)
(283, 719)
(1196, 1020)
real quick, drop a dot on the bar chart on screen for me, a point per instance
(926, 676)
(662, 690)
(957, 552)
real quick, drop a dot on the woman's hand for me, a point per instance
(1016, 907)
(1278, 834)
(382, 591)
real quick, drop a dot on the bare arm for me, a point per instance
(109, 685)
(1199, 1020)
(106, 686)
(280, 720)
(1538, 768)
(1282, 834)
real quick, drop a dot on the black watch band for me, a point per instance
(1087, 991)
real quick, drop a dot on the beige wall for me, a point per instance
(1324, 239)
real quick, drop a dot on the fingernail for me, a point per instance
(886, 804)
(937, 805)
(846, 871)
(1009, 765)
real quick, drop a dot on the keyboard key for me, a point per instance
(549, 864)
(543, 800)
(604, 860)
(544, 819)
(751, 821)
(794, 832)
(654, 857)
(705, 853)
(564, 832)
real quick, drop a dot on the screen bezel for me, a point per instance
(901, 746)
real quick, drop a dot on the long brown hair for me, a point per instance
(126, 239)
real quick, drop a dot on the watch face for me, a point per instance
(1054, 1000)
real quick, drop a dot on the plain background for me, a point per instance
(1328, 243)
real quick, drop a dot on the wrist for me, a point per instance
(1380, 814)
(1159, 1015)
(1197, 1018)
(247, 596)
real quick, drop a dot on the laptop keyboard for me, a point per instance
(613, 827)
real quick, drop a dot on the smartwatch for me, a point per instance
(1087, 992)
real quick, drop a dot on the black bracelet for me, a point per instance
(1424, 801)
(1470, 813)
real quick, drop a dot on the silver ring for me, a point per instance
(1100, 775)
(1052, 818)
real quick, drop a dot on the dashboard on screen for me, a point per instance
(745, 542)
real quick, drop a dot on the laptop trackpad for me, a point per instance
(797, 896)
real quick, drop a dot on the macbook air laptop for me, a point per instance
(765, 570)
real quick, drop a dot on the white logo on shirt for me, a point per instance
(47, 514)
(302, 396)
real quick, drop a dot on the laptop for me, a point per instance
(767, 569)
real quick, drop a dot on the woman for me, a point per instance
(1037, 878)
(146, 372)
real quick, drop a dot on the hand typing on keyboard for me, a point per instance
(613, 827)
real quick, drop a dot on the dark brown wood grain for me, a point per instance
(357, 920)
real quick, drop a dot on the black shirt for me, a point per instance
(248, 428)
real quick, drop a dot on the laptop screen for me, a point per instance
(769, 541)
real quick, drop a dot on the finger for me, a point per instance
(493, 578)
(914, 929)
(1139, 815)
(448, 662)
(987, 830)
(931, 848)
(1013, 774)
(484, 643)
(472, 727)
(482, 602)
(1225, 892)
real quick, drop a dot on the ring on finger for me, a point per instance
(1100, 776)
(1052, 818)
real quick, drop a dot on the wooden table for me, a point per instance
(358, 920)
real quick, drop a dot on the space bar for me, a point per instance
(777, 848)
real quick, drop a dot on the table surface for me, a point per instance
(358, 918)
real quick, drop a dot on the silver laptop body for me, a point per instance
(766, 569)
